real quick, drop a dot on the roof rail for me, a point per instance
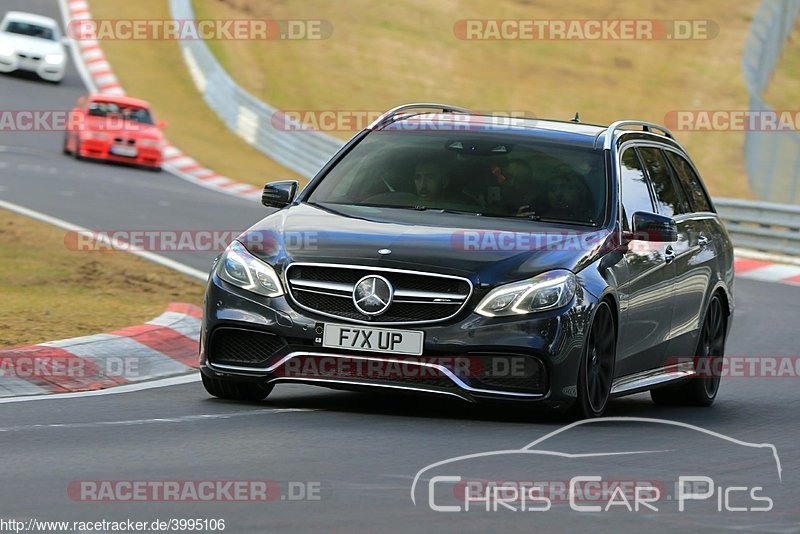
(392, 114)
(646, 127)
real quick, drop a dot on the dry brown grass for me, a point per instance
(50, 292)
(385, 53)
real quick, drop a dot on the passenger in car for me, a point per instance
(568, 196)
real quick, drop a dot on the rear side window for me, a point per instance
(669, 197)
(690, 182)
(635, 193)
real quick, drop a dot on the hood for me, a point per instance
(33, 45)
(116, 125)
(487, 250)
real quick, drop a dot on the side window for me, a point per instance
(635, 194)
(669, 197)
(690, 182)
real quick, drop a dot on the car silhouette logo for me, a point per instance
(372, 295)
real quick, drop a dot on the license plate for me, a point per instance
(339, 336)
(126, 151)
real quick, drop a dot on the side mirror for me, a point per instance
(652, 227)
(161, 124)
(279, 194)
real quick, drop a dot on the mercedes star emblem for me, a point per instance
(372, 295)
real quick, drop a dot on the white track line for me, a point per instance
(155, 258)
(171, 420)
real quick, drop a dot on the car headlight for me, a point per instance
(6, 50)
(153, 143)
(54, 59)
(549, 290)
(240, 268)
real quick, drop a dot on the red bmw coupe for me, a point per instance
(115, 128)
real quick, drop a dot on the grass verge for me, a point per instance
(386, 53)
(50, 292)
(155, 71)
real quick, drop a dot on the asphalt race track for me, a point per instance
(358, 452)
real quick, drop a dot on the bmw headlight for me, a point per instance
(54, 59)
(549, 290)
(240, 268)
(153, 143)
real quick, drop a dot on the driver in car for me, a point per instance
(430, 180)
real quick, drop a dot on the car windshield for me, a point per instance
(491, 174)
(112, 109)
(29, 29)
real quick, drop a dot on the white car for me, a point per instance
(32, 43)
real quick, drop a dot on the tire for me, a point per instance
(233, 390)
(597, 366)
(700, 391)
(65, 149)
(77, 153)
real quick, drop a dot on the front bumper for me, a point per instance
(101, 149)
(471, 357)
(46, 71)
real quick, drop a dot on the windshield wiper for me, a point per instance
(563, 221)
(538, 218)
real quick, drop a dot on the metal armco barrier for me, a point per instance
(764, 226)
(301, 151)
(772, 159)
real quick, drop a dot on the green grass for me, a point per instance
(50, 292)
(385, 53)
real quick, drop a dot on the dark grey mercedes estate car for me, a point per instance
(484, 258)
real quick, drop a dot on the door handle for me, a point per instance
(669, 254)
(702, 240)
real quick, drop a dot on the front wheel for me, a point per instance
(597, 366)
(702, 390)
(234, 390)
